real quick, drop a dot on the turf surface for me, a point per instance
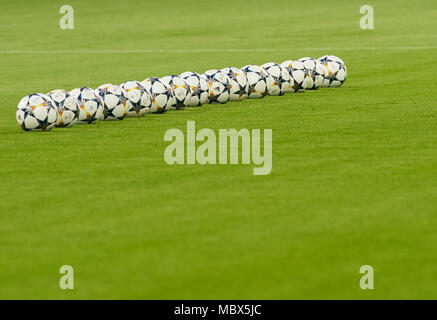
(354, 177)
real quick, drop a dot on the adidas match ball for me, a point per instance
(90, 105)
(218, 86)
(296, 70)
(138, 97)
(257, 81)
(199, 88)
(314, 72)
(238, 84)
(67, 107)
(159, 92)
(180, 92)
(115, 102)
(37, 112)
(280, 76)
(335, 71)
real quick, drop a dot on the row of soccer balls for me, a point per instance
(40, 112)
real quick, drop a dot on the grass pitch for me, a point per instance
(354, 177)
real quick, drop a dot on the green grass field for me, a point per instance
(354, 177)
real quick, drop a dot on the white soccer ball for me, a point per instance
(138, 97)
(298, 79)
(314, 72)
(281, 78)
(37, 112)
(115, 102)
(180, 92)
(67, 107)
(257, 81)
(332, 58)
(335, 71)
(218, 83)
(159, 92)
(199, 88)
(90, 105)
(238, 85)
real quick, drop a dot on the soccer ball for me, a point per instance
(296, 70)
(315, 72)
(90, 105)
(199, 88)
(67, 107)
(37, 112)
(333, 58)
(159, 92)
(335, 71)
(180, 91)
(138, 97)
(281, 78)
(115, 102)
(218, 83)
(257, 81)
(238, 85)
